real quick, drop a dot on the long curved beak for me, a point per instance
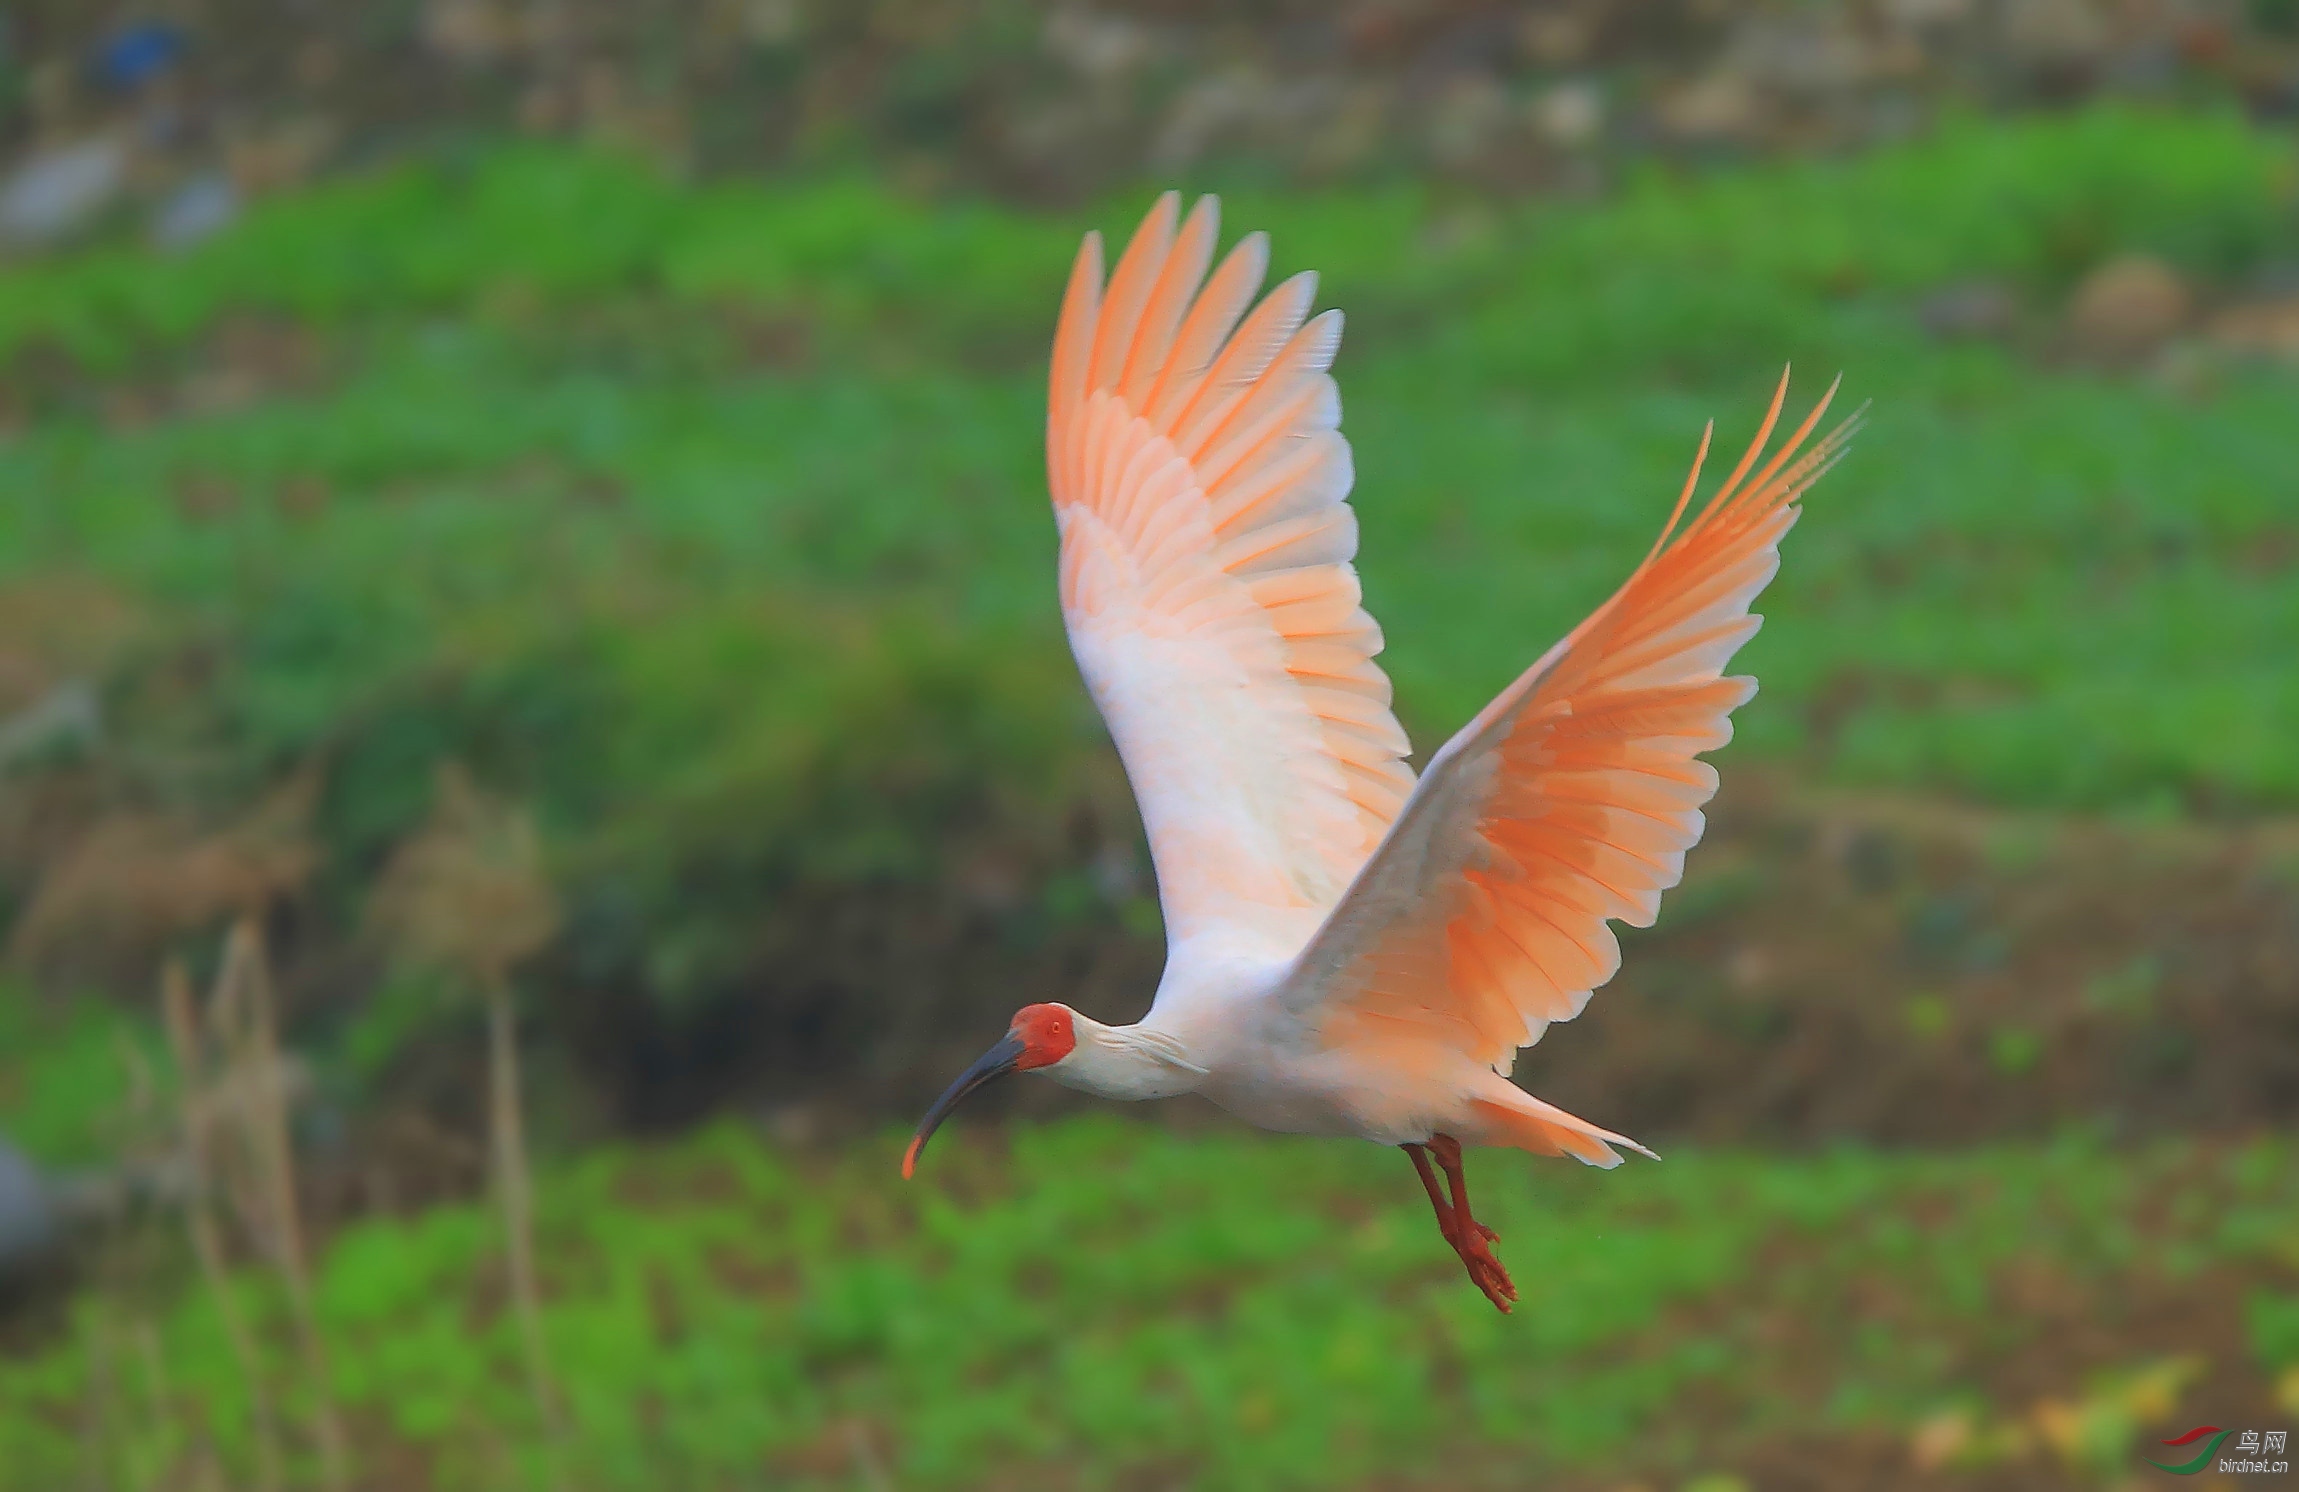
(994, 1063)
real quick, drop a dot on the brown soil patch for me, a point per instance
(1914, 972)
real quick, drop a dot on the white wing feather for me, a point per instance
(1201, 480)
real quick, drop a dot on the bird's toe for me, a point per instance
(1485, 1271)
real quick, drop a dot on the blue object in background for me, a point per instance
(137, 53)
(198, 210)
(28, 1227)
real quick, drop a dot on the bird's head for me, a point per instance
(1040, 1036)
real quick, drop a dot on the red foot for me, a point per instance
(1470, 1239)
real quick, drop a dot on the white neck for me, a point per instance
(1125, 1062)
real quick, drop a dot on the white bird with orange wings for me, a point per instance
(1350, 951)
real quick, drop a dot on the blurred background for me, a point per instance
(535, 735)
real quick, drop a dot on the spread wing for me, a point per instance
(1569, 801)
(1201, 483)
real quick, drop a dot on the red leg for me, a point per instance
(1420, 1156)
(1471, 1239)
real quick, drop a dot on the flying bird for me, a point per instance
(1349, 950)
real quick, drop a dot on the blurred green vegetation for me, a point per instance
(1103, 1299)
(708, 520)
(661, 501)
(70, 1075)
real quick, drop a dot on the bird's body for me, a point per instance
(1224, 1031)
(1352, 951)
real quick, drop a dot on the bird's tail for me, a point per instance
(1526, 1123)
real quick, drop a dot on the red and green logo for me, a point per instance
(2202, 1457)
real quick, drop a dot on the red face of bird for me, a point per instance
(1040, 1036)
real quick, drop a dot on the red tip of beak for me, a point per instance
(910, 1157)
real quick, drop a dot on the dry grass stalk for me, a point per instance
(512, 1188)
(198, 1111)
(466, 895)
(256, 1055)
(96, 1412)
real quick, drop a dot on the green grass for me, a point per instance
(2029, 585)
(71, 1073)
(1674, 270)
(1103, 1299)
(709, 521)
